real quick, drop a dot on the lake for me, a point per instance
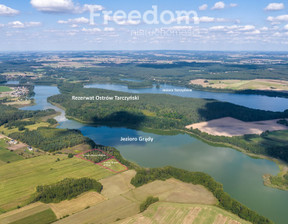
(251, 101)
(240, 174)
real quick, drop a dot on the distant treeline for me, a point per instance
(52, 139)
(66, 189)
(145, 176)
(153, 111)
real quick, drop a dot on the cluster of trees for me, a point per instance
(52, 139)
(95, 156)
(10, 114)
(52, 121)
(18, 124)
(66, 189)
(283, 122)
(160, 112)
(279, 181)
(149, 201)
(145, 176)
(114, 152)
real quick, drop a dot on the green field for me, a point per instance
(114, 165)
(36, 213)
(37, 125)
(44, 217)
(19, 180)
(5, 89)
(7, 131)
(6, 155)
(275, 138)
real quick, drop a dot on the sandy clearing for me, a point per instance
(229, 127)
(2, 136)
(117, 184)
(69, 207)
(17, 146)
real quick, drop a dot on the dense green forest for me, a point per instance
(152, 111)
(66, 189)
(145, 176)
(10, 114)
(52, 139)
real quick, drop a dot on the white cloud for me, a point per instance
(53, 6)
(87, 7)
(62, 6)
(264, 28)
(286, 27)
(81, 20)
(217, 28)
(232, 5)
(19, 24)
(218, 5)
(277, 34)
(275, 7)
(109, 29)
(247, 28)
(7, 11)
(206, 19)
(254, 32)
(203, 19)
(282, 18)
(92, 30)
(203, 7)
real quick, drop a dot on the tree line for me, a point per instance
(226, 202)
(52, 139)
(66, 189)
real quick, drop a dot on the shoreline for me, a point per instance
(252, 155)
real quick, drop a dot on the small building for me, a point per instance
(13, 142)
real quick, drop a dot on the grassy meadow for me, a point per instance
(20, 179)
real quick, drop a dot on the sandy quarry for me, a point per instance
(229, 127)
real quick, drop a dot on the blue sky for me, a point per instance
(31, 25)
